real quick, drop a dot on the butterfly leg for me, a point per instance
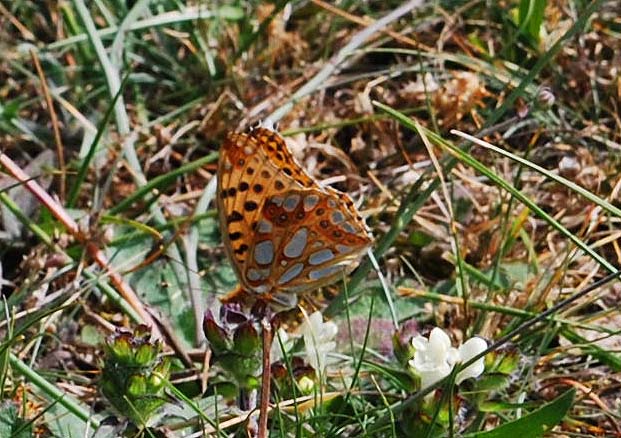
(237, 295)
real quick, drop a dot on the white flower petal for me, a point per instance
(330, 330)
(434, 357)
(276, 352)
(313, 324)
(439, 345)
(420, 343)
(471, 348)
(453, 356)
(431, 376)
(318, 340)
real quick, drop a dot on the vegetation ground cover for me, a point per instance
(479, 140)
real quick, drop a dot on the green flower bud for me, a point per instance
(246, 340)
(133, 377)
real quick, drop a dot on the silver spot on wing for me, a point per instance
(343, 248)
(258, 274)
(291, 202)
(253, 275)
(287, 300)
(277, 200)
(310, 202)
(295, 246)
(348, 227)
(261, 289)
(337, 217)
(264, 252)
(291, 273)
(318, 274)
(321, 256)
(264, 226)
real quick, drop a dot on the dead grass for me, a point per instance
(456, 249)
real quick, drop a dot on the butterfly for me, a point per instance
(284, 234)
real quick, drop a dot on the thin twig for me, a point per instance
(57, 138)
(26, 33)
(266, 376)
(72, 227)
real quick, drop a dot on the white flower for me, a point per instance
(434, 358)
(318, 340)
(278, 351)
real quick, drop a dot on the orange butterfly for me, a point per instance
(284, 233)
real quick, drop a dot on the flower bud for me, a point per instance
(133, 376)
(217, 336)
(246, 340)
(545, 97)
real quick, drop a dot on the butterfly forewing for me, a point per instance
(284, 233)
(246, 175)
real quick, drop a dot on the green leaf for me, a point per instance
(530, 18)
(64, 424)
(499, 406)
(11, 424)
(534, 424)
(159, 285)
(9, 110)
(491, 382)
(90, 335)
(420, 239)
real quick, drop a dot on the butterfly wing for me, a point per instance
(251, 167)
(283, 232)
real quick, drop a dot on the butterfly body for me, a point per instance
(284, 233)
